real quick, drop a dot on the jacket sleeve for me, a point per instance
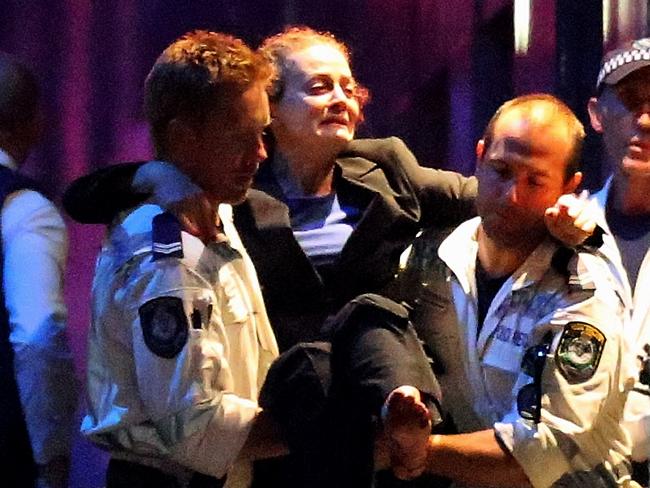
(98, 197)
(446, 198)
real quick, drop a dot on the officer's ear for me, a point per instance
(595, 114)
(480, 151)
(180, 141)
(480, 148)
(572, 183)
(180, 133)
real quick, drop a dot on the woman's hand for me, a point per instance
(572, 219)
(174, 191)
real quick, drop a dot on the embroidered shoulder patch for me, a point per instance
(579, 351)
(164, 326)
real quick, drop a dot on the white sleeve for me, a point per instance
(637, 422)
(183, 375)
(579, 435)
(34, 252)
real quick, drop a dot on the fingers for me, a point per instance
(585, 223)
(197, 216)
(188, 226)
(572, 219)
(572, 204)
(552, 213)
(585, 213)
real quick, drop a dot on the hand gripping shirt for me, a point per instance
(179, 346)
(560, 419)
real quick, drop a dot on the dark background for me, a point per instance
(437, 70)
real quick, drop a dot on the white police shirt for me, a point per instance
(637, 327)
(178, 349)
(577, 439)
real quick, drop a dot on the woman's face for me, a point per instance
(318, 105)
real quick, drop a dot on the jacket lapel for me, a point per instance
(283, 268)
(382, 208)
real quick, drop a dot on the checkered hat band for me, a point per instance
(622, 59)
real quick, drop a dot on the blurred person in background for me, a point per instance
(621, 113)
(39, 390)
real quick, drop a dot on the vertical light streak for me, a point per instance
(626, 16)
(607, 19)
(522, 10)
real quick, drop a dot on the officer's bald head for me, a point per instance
(543, 111)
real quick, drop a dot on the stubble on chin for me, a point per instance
(514, 236)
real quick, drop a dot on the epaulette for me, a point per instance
(167, 241)
(565, 261)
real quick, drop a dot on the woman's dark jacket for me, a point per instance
(380, 177)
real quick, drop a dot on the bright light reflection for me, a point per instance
(607, 8)
(522, 26)
(626, 13)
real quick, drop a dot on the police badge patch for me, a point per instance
(579, 351)
(164, 326)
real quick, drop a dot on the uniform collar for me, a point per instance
(609, 248)
(459, 250)
(601, 198)
(463, 264)
(7, 161)
(225, 224)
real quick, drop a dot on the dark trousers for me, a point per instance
(126, 474)
(327, 396)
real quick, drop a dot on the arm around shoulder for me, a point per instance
(445, 197)
(98, 197)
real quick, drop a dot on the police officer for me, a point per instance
(621, 113)
(180, 342)
(526, 335)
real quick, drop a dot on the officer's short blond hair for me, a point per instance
(199, 72)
